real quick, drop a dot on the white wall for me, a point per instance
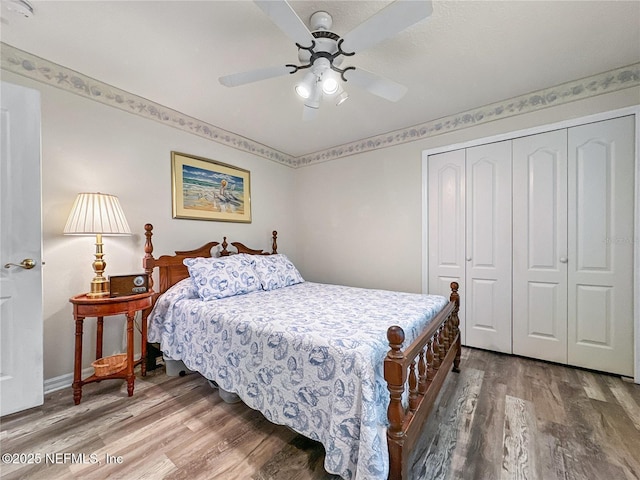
(359, 219)
(87, 146)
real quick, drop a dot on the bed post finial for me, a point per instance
(274, 244)
(395, 336)
(454, 295)
(148, 253)
(148, 246)
(224, 244)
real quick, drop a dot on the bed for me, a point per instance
(356, 369)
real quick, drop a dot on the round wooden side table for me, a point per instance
(99, 308)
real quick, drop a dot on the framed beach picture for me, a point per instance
(203, 189)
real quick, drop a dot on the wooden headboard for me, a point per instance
(170, 267)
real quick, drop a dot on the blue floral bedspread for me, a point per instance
(309, 356)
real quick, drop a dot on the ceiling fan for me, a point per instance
(321, 52)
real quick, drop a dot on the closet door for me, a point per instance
(540, 246)
(447, 226)
(601, 198)
(488, 247)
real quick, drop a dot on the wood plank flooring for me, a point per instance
(502, 417)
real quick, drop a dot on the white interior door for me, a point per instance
(488, 246)
(601, 240)
(21, 328)
(446, 199)
(540, 246)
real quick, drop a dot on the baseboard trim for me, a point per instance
(63, 381)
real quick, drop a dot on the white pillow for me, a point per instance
(223, 277)
(276, 271)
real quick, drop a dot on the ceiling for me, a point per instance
(465, 55)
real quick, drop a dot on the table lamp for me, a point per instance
(97, 214)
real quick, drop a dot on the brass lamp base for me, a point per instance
(99, 284)
(99, 288)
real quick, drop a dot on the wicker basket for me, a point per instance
(109, 365)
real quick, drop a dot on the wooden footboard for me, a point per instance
(423, 365)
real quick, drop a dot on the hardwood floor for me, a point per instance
(501, 418)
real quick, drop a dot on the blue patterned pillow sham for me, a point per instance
(222, 277)
(276, 271)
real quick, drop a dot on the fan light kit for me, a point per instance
(322, 52)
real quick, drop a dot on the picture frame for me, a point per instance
(204, 189)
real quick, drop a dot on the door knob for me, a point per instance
(564, 259)
(27, 264)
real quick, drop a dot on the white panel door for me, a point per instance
(601, 237)
(21, 325)
(446, 199)
(540, 246)
(488, 247)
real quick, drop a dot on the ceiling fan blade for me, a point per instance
(386, 23)
(373, 83)
(255, 75)
(281, 13)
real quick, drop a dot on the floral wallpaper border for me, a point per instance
(606, 82)
(39, 69)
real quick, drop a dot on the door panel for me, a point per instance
(21, 325)
(601, 199)
(542, 321)
(488, 246)
(447, 226)
(594, 316)
(540, 246)
(483, 302)
(593, 176)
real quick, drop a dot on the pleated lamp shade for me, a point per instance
(96, 213)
